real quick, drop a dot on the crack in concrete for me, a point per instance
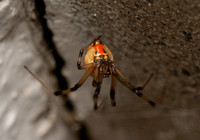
(48, 38)
(59, 64)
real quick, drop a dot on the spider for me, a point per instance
(98, 62)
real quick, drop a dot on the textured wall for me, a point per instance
(145, 36)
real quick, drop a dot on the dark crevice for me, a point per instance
(59, 63)
(48, 38)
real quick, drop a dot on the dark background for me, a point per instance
(145, 36)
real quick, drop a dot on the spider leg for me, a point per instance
(94, 82)
(76, 86)
(112, 90)
(40, 81)
(136, 90)
(97, 91)
(86, 66)
(149, 79)
(81, 52)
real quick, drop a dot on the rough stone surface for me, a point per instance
(145, 36)
(26, 110)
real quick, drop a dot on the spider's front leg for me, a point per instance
(82, 51)
(97, 91)
(76, 86)
(96, 73)
(112, 90)
(136, 90)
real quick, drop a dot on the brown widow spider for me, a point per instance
(98, 62)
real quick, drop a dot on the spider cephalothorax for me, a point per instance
(98, 62)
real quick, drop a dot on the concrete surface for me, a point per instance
(145, 36)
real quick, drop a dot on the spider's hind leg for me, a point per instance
(76, 86)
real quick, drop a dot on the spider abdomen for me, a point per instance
(97, 52)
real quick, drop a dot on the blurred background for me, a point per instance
(145, 36)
